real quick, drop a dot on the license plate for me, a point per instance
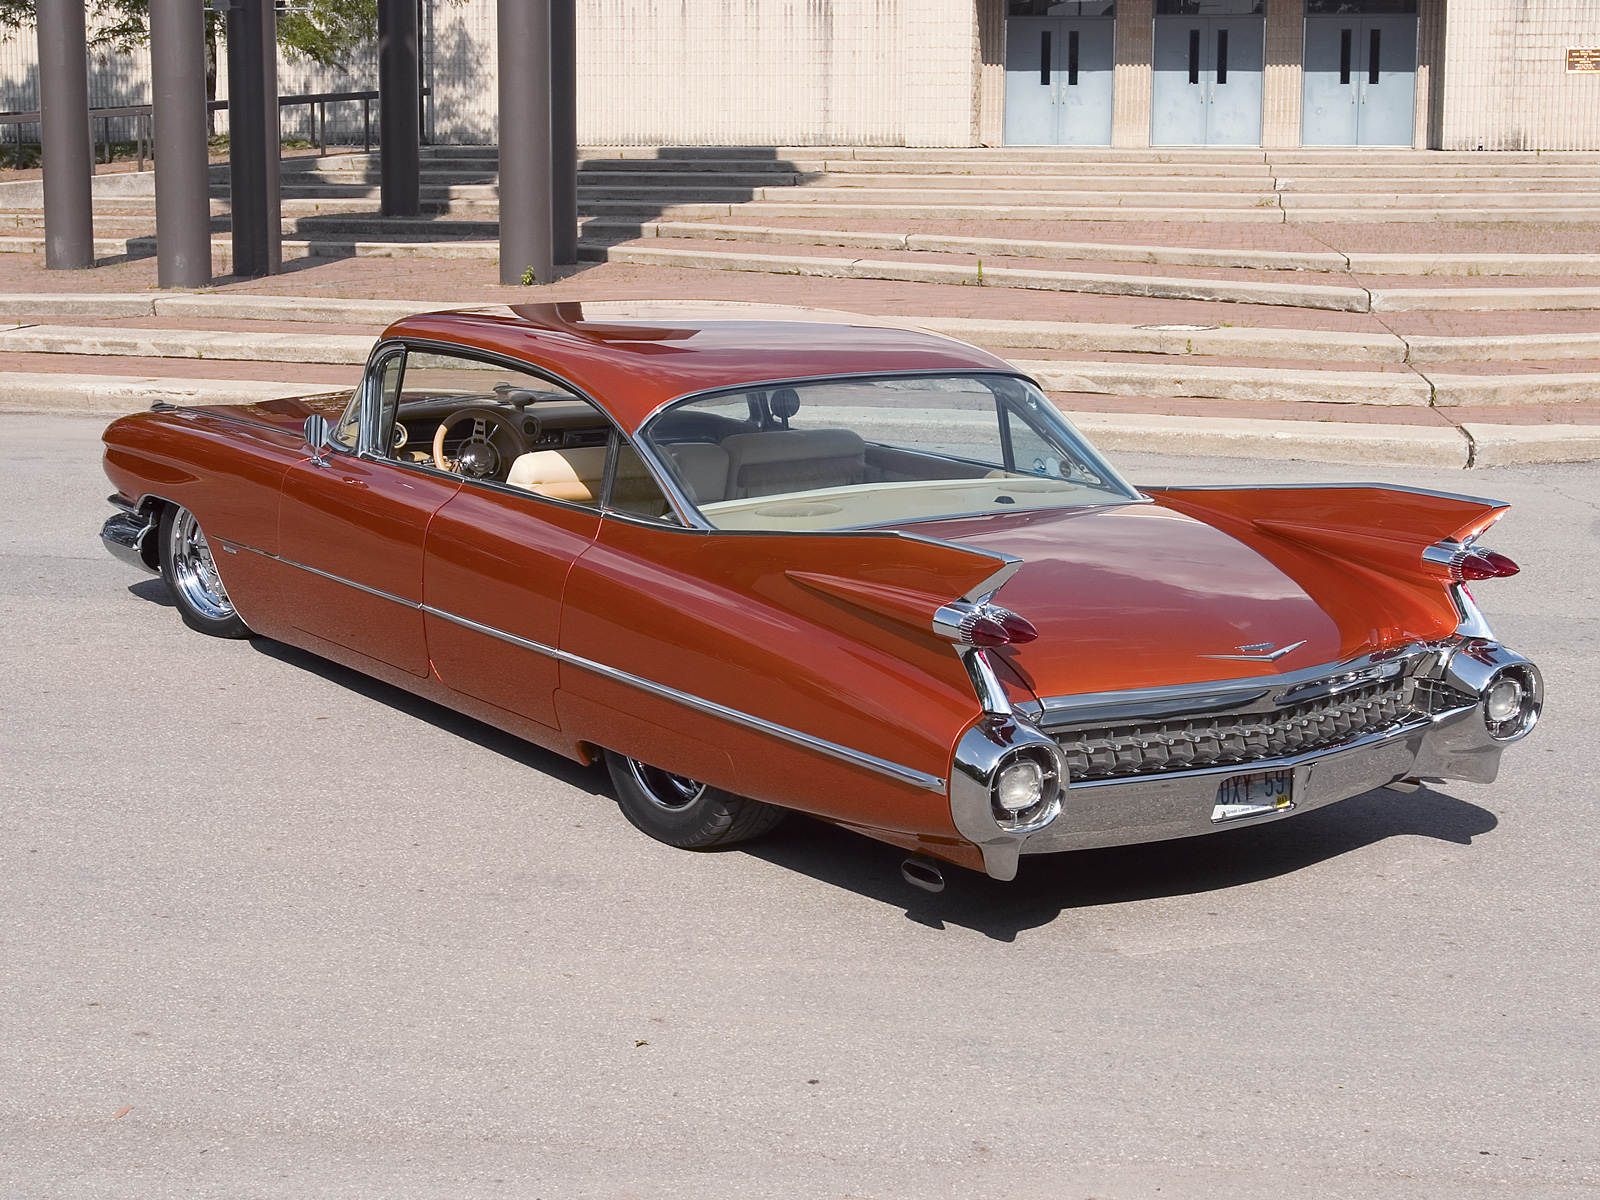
(1256, 795)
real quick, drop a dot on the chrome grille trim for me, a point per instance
(1160, 732)
(1186, 744)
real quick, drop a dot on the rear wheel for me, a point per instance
(684, 812)
(191, 576)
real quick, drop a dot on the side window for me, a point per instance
(496, 423)
(347, 432)
(634, 490)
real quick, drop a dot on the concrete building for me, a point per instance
(1280, 74)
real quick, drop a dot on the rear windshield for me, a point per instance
(858, 452)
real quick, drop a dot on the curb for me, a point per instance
(1230, 383)
(1233, 437)
(189, 343)
(109, 395)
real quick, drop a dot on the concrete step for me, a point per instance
(850, 208)
(1576, 265)
(1177, 341)
(1158, 377)
(1296, 295)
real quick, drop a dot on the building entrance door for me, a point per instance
(1206, 79)
(1059, 73)
(1360, 79)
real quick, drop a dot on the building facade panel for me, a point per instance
(1506, 86)
(1489, 74)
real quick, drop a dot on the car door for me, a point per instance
(352, 520)
(499, 551)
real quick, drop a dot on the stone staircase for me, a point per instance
(1448, 295)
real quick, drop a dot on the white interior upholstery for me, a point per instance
(703, 467)
(793, 460)
(573, 475)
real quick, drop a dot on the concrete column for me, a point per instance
(991, 72)
(272, 137)
(253, 141)
(183, 182)
(1429, 127)
(399, 108)
(1283, 80)
(65, 145)
(1130, 105)
(525, 142)
(564, 130)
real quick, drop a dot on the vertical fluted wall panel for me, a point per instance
(991, 72)
(1130, 104)
(1281, 79)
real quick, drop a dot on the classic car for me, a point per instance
(764, 559)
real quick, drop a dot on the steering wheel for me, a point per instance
(479, 457)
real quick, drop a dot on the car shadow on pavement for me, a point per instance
(1048, 885)
(153, 590)
(587, 779)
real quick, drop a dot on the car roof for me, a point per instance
(634, 356)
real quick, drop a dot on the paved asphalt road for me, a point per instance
(314, 938)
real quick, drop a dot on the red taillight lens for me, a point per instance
(1486, 564)
(1000, 627)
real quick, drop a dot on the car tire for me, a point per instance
(683, 812)
(191, 576)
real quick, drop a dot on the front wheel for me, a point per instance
(683, 812)
(191, 576)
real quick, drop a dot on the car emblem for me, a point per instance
(1259, 652)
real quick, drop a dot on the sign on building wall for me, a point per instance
(1587, 59)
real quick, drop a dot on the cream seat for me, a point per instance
(793, 460)
(571, 475)
(703, 467)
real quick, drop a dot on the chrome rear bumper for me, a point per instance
(1444, 733)
(1156, 808)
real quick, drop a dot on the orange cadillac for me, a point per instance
(765, 559)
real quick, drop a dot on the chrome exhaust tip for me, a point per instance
(920, 871)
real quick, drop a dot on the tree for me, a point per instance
(324, 31)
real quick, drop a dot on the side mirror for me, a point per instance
(319, 436)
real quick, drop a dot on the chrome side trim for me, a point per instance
(1010, 564)
(859, 758)
(1309, 487)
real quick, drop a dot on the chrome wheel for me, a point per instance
(681, 811)
(664, 789)
(194, 573)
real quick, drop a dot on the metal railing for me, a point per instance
(144, 133)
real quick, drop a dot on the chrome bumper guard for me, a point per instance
(1445, 735)
(131, 536)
